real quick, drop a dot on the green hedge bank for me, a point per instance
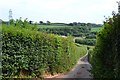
(31, 53)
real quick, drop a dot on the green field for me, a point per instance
(51, 26)
(96, 29)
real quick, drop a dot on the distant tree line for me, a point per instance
(74, 31)
(90, 42)
(84, 24)
(70, 24)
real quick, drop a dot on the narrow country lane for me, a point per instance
(81, 69)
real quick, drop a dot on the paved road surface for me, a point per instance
(81, 69)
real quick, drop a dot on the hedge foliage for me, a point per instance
(90, 42)
(27, 52)
(105, 59)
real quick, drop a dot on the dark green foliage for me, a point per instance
(31, 53)
(84, 24)
(105, 59)
(91, 36)
(71, 30)
(90, 42)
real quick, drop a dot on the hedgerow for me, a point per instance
(27, 52)
(105, 58)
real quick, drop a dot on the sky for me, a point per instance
(63, 11)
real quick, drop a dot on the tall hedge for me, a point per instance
(105, 59)
(31, 53)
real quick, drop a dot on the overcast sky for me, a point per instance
(66, 11)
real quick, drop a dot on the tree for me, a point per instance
(70, 24)
(48, 22)
(41, 22)
(75, 23)
(105, 59)
(30, 22)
